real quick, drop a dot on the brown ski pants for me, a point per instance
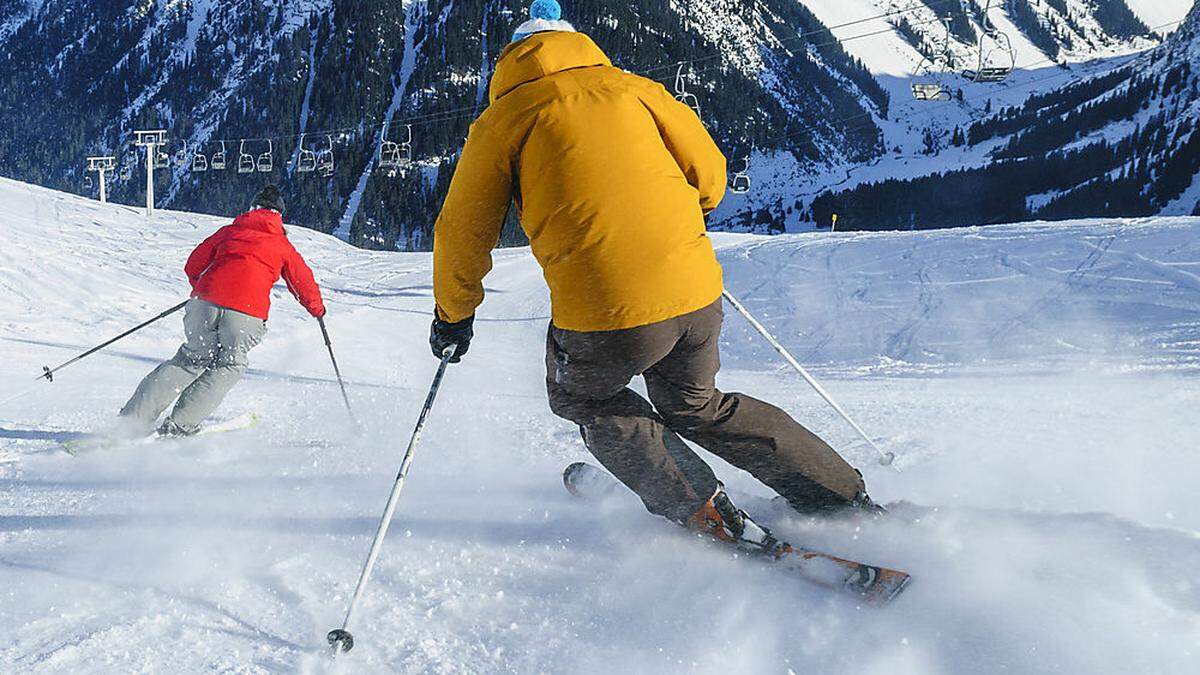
(587, 376)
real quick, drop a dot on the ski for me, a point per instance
(873, 584)
(97, 442)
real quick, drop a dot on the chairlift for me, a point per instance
(199, 163)
(131, 161)
(266, 161)
(161, 159)
(306, 160)
(389, 152)
(182, 156)
(88, 183)
(740, 183)
(218, 159)
(683, 95)
(245, 160)
(325, 159)
(929, 81)
(997, 58)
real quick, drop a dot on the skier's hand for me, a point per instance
(443, 334)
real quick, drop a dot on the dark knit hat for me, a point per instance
(268, 198)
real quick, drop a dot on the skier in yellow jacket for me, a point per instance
(612, 178)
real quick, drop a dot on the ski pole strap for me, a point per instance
(885, 458)
(48, 372)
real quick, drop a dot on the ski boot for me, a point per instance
(723, 521)
(170, 429)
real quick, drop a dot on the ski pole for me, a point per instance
(336, 371)
(48, 372)
(340, 639)
(885, 458)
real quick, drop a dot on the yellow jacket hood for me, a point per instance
(543, 54)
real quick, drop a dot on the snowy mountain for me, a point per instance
(1037, 381)
(817, 93)
(1121, 141)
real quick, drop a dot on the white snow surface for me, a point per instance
(1037, 381)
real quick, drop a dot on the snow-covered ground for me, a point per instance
(1038, 381)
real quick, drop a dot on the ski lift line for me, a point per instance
(916, 6)
(452, 114)
(448, 115)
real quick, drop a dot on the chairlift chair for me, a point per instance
(88, 183)
(390, 154)
(306, 160)
(161, 159)
(131, 161)
(683, 95)
(218, 159)
(929, 76)
(406, 151)
(325, 159)
(245, 160)
(266, 161)
(740, 183)
(997, 58)
(199, 163)
(182, 156)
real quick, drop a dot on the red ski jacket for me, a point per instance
(236, 267)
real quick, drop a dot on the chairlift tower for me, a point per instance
(152, 141)
(102, 165)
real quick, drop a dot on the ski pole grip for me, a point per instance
(449, 351)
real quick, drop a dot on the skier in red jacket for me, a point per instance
(231, 273)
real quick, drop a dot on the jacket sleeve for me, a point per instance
(691, 145)
(202, 257)
(469, 225)
(299, 279)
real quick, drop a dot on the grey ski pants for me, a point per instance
(202, 372)
(587, 376)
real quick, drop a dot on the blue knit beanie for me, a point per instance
(544, 15)
(545, 9)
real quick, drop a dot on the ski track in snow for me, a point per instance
(1038, 382)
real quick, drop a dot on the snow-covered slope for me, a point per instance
(1037, 381)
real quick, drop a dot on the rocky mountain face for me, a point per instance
(287, 86)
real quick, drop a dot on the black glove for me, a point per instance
(443, 334)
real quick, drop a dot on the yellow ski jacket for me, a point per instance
(611, 177)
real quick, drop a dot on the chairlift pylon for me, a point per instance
(683, 95)
(266, 161)
(306, 160)
(218, 159)
(245, 160)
